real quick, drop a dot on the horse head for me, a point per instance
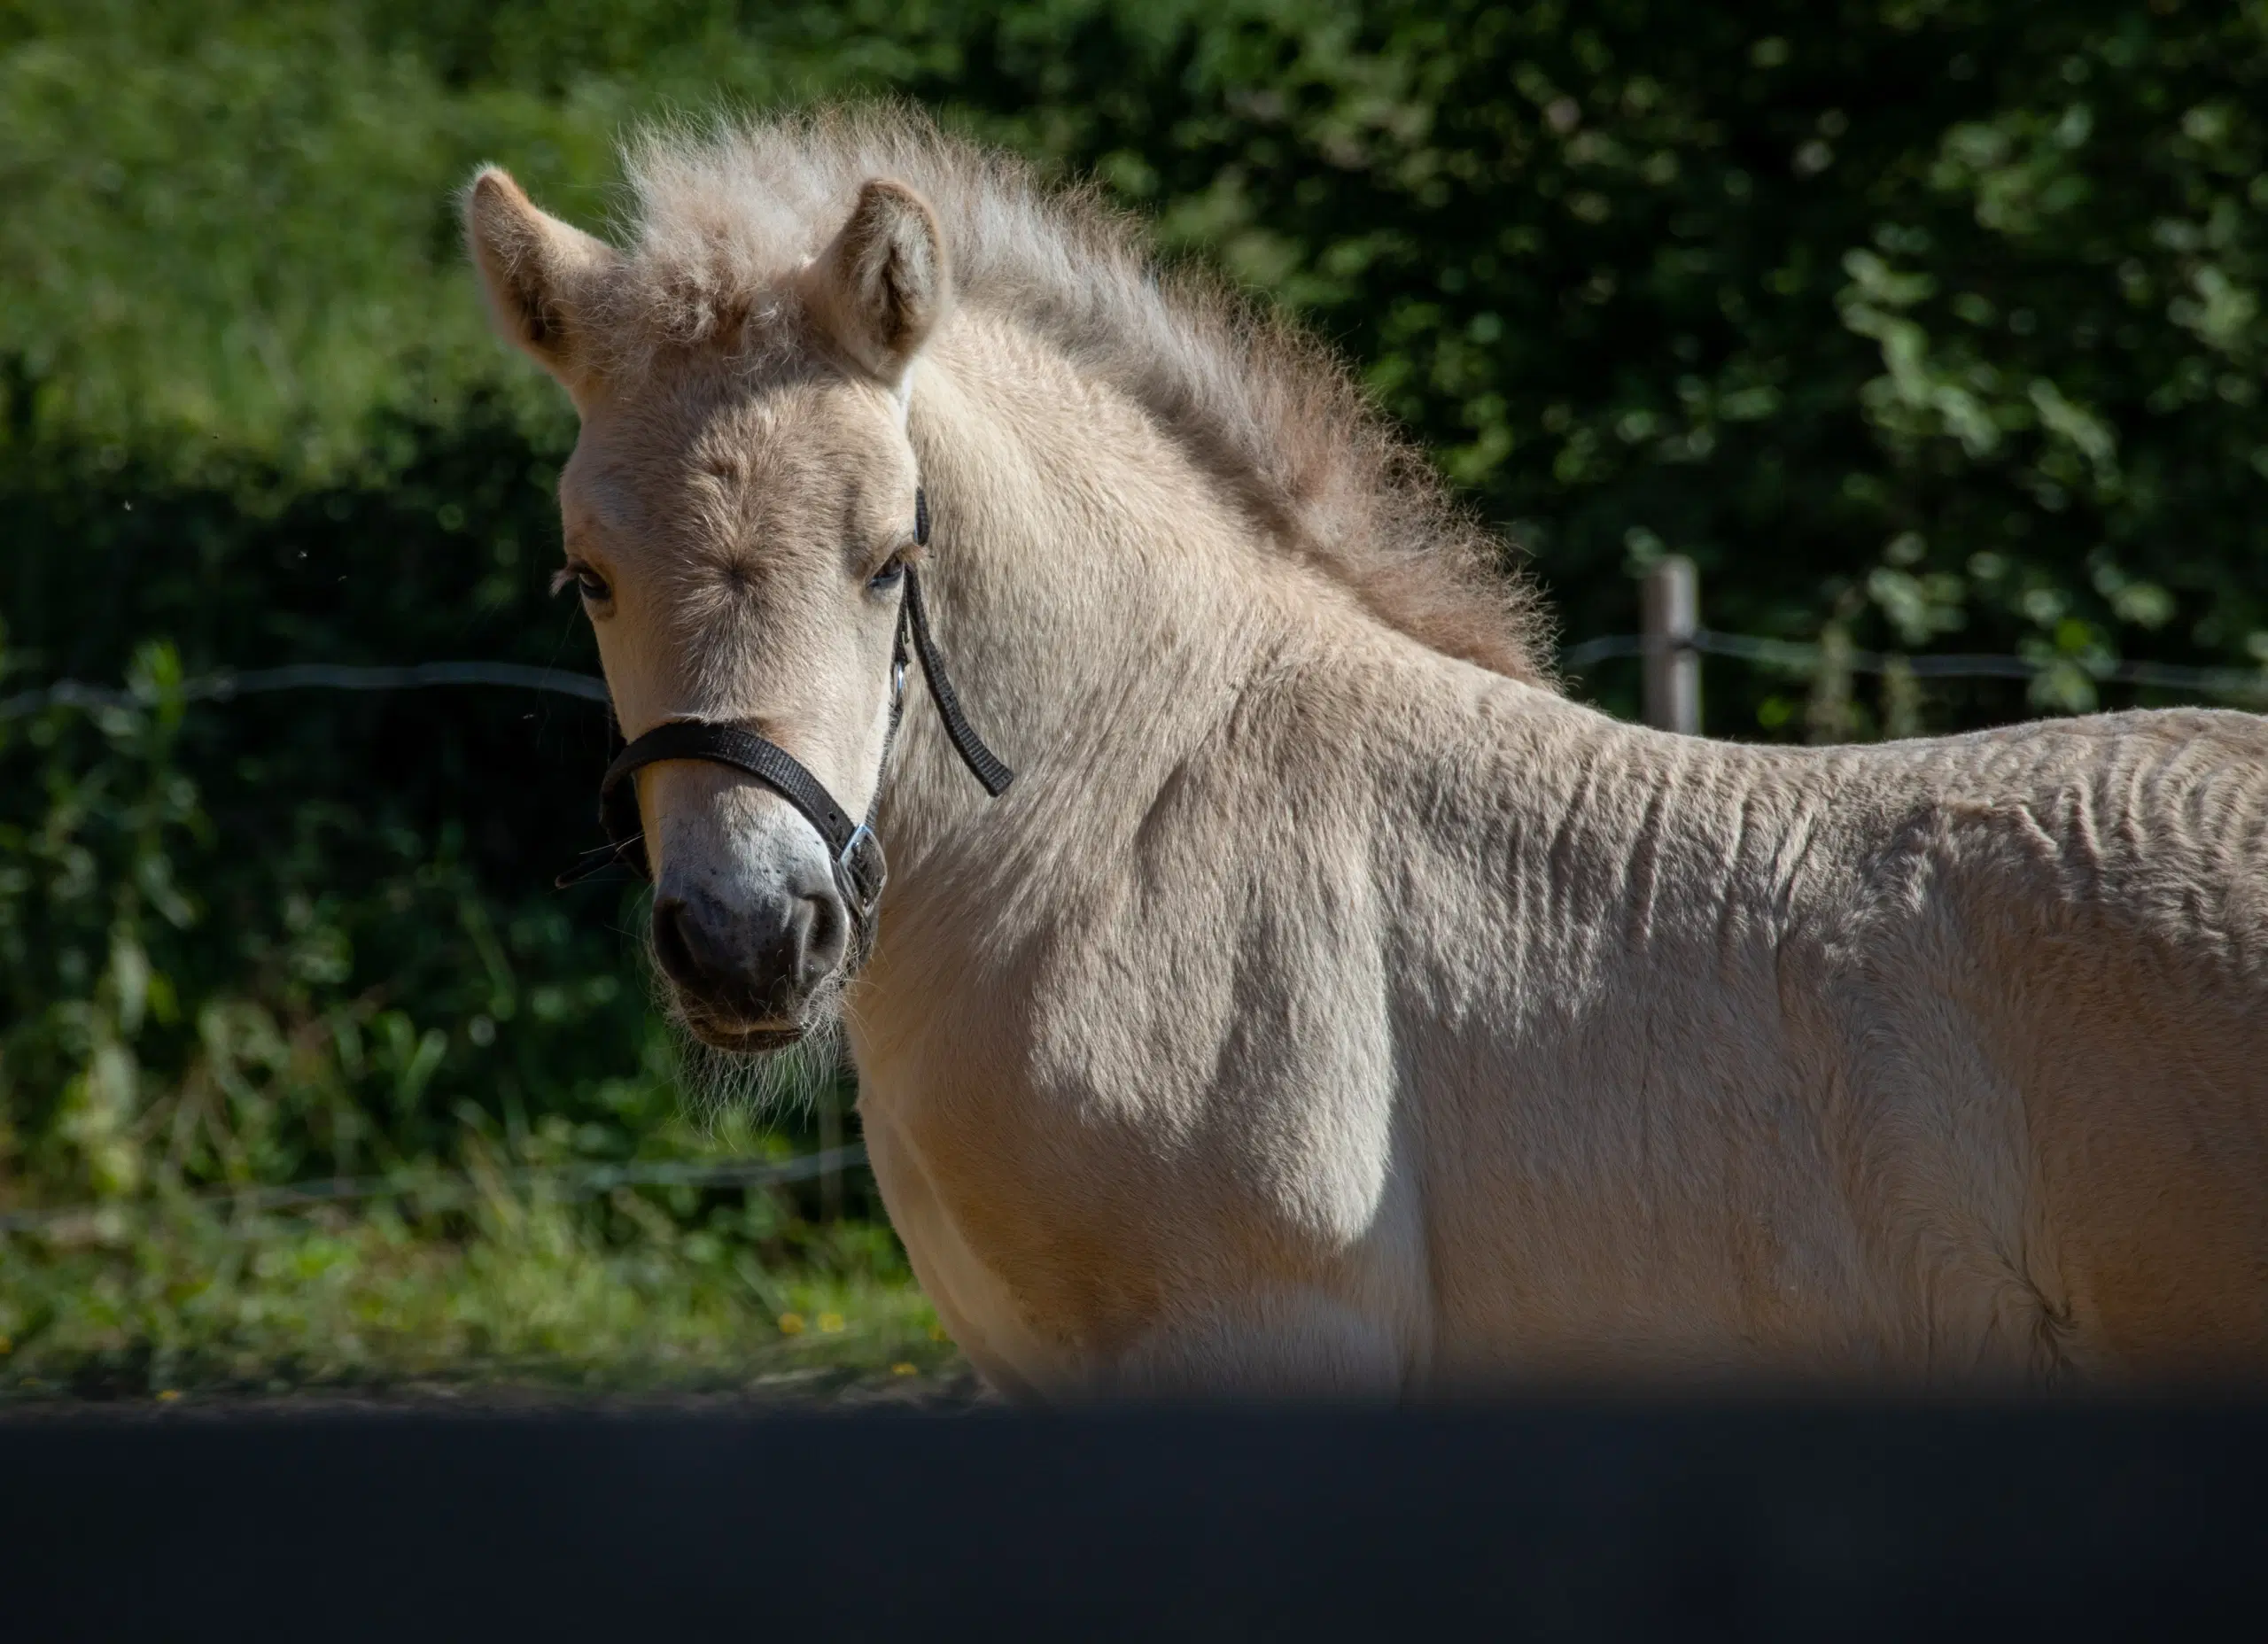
(741, 517)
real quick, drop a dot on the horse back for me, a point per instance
(2107, 882)
(1940, 1056)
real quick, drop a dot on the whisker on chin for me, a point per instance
(760, 1084)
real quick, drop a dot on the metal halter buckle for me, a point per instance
(861, 871)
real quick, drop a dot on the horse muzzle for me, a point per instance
(744, 975)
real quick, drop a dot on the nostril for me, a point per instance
(827, 938)
(674, 943)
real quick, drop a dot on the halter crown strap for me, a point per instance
(854, 853)
(983, 764)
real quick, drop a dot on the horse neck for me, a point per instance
(1098, 602)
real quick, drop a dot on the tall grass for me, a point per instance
(508, 1284)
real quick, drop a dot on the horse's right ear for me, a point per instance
(537, 271)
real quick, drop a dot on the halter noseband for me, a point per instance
(854, 853)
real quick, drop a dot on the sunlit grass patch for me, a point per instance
(143, 1300)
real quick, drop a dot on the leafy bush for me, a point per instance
(1936, 320)
(306, 933)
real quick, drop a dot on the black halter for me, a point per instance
(854, 852)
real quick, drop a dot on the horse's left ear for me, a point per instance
(881, 287)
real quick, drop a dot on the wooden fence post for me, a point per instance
(1672, 600)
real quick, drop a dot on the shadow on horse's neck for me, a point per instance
(1098, 598)
(1102, 607)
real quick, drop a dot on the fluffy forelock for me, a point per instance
(719, 221)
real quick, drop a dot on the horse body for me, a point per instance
(1499, 1033)
(1331, 1005)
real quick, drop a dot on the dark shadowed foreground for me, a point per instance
(1734, 1520)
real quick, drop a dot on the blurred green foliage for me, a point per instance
(1918, 323)
(1939, 322)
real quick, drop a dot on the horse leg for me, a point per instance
(1277, 1342)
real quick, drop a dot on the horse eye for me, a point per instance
(593, 584)
(888, 577)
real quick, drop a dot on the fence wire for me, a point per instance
(1796, 655)
(1801, 656)
(226, 686)
(446, 1191)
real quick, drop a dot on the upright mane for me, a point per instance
(718, 218)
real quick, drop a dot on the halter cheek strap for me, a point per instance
(853, 851)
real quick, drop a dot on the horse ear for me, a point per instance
(537, 271)
(881, 285)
